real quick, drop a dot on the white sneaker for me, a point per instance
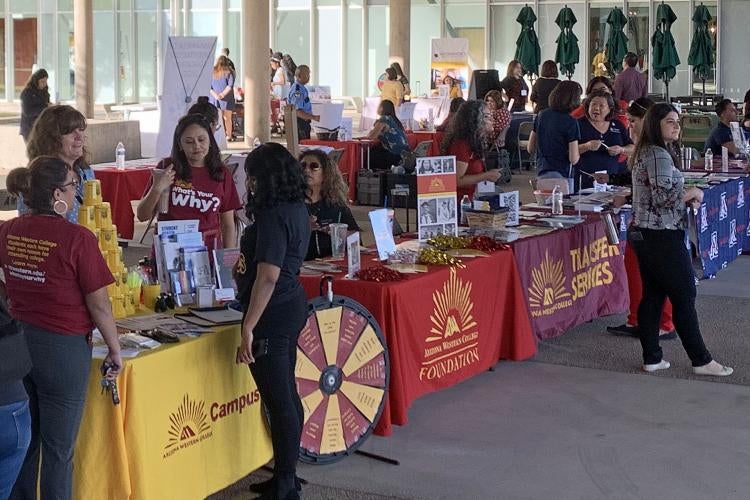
(661, 365)
(714, 369)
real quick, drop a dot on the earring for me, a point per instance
(60, 207)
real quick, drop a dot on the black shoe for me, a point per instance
(668, 336)
(270, 494)
(264, 486)
(623, 330)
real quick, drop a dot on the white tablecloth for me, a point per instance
(439, 105)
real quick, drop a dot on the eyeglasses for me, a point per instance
(74, 183)
(313, 165)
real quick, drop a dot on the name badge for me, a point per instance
(524, 92)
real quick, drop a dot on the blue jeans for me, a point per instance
(15, 436)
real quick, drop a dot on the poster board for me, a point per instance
(188, 70)
(449, 57)
(436, 196)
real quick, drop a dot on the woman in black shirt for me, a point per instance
(326, 201)
(34, 99)
(515, 86)
(544, 86)
(271, 253)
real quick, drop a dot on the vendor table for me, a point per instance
(189, 424)
(443, 326)
(440, 107)
(571, 276)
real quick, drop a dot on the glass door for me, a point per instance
(24, 51)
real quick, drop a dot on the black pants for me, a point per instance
(382, 159)
(274, 374)
(303, 129)
(666, 271)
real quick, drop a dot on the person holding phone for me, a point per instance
(273, 301)
(56, 282)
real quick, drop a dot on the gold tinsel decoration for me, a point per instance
(433, 256)
(448, 242)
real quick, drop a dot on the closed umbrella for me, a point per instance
(701, 56)
(567, 53)
(528, 52)
(664, 59)
(617, 41)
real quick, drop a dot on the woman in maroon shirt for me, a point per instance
(56, 282)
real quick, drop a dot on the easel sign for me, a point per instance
(188, 67)
(436, 196)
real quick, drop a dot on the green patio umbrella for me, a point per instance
(567, 53)
(664, 59)
(701, 56)
(528, 51)
(617, 41)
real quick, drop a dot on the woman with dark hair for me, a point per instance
(222, 92)
(273, 301)
(401, 77)
(393, 90)
(465, 140)
(391, 135)
(603, 84)
(59, 132)
(495, 105)
(58, 300)
(604, 143)
(544, 85)
(289, 67)
(34, 99)
(556, 133)
(211, 113)
(456, 103)
(326, 201)
(196, 184)
(515, 86)
(658, 238)
(454, 89)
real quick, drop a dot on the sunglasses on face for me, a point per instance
(313, 165)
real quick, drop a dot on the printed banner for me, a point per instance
(722, 224)
(571, 276)
(436, 196)
(450, 58)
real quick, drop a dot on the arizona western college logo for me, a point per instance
(713, 252)
(732, 232)
(547, 292)
(704, 218)
(740, 194)
(453, 340)
(723, 211)
(188, 426)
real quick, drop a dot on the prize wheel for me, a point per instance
(381, 80)
(342, 376)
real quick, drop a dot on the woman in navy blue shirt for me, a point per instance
(605, 143)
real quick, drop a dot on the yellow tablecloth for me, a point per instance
(189, 424)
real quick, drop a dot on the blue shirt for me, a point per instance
(719, 136)
(592, 161)
(87, 174)
(554, 131)
(393, 138)
(299, 97)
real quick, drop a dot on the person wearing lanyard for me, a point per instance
(56, 282)
(515, 86)
(299, 97)
(197, 184)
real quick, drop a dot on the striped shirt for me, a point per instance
(657, 191)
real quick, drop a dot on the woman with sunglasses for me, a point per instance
(198, 185)
(326, 201)
(56, 282)
(59, 132)
(658, 238)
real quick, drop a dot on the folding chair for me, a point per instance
(421, 149)
(524, 131)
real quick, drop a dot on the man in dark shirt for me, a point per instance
(225, 53)
(630, 84)
(722, 134)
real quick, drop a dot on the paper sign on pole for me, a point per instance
(436, 196)
(383, 233)
(510, 200)
(188, 70)
(449, 57)
(353, 254)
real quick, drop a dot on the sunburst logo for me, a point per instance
(453, 309)
(189, 422)
(547, 283)
(437, 185)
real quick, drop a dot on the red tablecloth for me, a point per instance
(119, 188)
(415, 138)
(571, 276)
(444, 326)
(352, 160)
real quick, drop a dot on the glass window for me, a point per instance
(166, 25)
(104, 62)
(64, 5)
(48, 6)
(293, 32)
(681, 30)
(205, 23)
(598, 33)
(102, 5)
(22, 7)
(377, 46)
(425, 25)
(353, 64)
(329, 49)
(504, 32)
(145, 5)
(548, 32)
(234, 42)
(639, 39)
(125, 58)
(25, 58)
(2, 59)
(712, 30)
(468, 20)
(65, 57)
(47, 55)
(146, 51)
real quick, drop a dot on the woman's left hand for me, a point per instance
(245, 350)
(615, 150)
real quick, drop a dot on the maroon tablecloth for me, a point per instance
(119, 188)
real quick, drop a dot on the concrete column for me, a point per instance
(255, 81)
(83, 21)
(400, 31)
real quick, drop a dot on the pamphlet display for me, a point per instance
(436, 196)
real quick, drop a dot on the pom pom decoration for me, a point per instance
(380, 274)
(486, 244)
(448, 242)
(432, 256)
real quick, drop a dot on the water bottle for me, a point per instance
(557, 201)
(120, 156)
(465, 207)
(709, 161)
